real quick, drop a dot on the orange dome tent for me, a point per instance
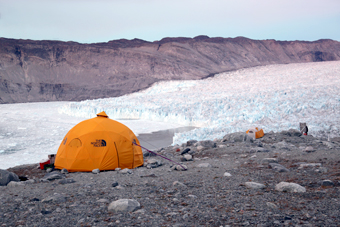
(99, 143)
(255, 133)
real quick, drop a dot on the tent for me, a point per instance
(255, 133)
(99, 143)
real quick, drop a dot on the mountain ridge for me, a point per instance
(34, 71)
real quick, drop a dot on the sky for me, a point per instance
(89, 21)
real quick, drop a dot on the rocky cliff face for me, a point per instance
(51, 70)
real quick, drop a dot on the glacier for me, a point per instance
(273, 97)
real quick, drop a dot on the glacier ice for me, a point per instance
(274, 97)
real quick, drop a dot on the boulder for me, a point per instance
(124, 205)
(6, 177)
(289, 187)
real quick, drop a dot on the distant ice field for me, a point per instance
(274, 97)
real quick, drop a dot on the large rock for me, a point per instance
(289, 187)
(124, 205)
(6, 177)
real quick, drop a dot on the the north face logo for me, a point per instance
(99, 143)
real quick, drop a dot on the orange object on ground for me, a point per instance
(255, 133)
(99, 143)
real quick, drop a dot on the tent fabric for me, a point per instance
(255, 133)
(99, 143)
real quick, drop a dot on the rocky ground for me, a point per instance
(231, 182)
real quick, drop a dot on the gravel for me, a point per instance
(203, 195)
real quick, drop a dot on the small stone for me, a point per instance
(309, 165)
(179, 167)
(269, 160)
(309, 149)
(102, 201)
(200, 148)
(254, 185)
(204, 165)
(278, 168)
(124, 205)
(13, 184)
(95, 171)
(117, 169)
(126, 171)
(226, 174)
(52, 176)
(327, 183)
(321, 170)
(330, 145)
(187, 157)
(271, 205)
(178, 184)
(289, 187)
(64, 171)
(54, 198)
(114, 184)
(243, 156)
(192, 196)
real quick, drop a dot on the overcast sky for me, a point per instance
(90, 21)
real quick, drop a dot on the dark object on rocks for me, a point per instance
(23, 178)
(186, 150)
(46, 211)
(151, 175)
(114, 184)
(6, 177)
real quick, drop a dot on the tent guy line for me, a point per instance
(159, 155)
